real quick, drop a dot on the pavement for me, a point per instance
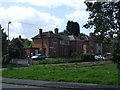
(59, 85)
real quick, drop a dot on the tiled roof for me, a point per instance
(72, 37)
(63, 37)
(53, 35)
(47, 35)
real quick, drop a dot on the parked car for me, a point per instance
(108, 56)
(38, 57)
(100, 57)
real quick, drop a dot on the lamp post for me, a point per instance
(8, 36)
(8, 30)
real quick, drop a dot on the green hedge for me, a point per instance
(82, 57)
(87, 57)
(59, 60)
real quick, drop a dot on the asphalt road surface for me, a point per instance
(4, 86)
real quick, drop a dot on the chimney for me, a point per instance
(56, 30)
(19, 36)
(40, 31)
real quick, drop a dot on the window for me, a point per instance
(64, 42)
(55, 42)
(99, 51)
(99, 45)
(66, 51)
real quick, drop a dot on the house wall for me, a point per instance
(106, 48)
(42, 45)
(27, 52)
(92, 47)
(73, 46)
(49, 46)
(99, 48)
(85, 47)
(76, 46)
(54, 48)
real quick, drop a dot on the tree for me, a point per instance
(116, 55)
(65, 32)
(27, 44)
(15, 48)
(72, 28)
(104, 17)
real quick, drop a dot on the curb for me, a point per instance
(60, 85)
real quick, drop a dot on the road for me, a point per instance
(4, 86)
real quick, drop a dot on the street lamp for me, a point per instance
(8, 30)
(8, 36)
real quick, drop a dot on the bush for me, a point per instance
(87, 57)
(74, 54)
(6, 59)
(59, 60)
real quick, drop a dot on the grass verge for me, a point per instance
(103, 74)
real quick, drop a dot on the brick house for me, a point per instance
(55, 45)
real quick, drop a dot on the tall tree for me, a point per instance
(72, 28)
(104, 17)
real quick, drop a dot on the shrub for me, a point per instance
(6, 59)
(74, 54)
(87, 57)
(59, 60)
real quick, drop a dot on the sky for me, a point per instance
(28, 16)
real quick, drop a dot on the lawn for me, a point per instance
(74, 72)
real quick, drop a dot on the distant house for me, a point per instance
(97, 47)
(55, 45)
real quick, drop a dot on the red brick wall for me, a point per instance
(55, 49)
(85, 47)
(52, 46)
(106, 48)
(41, 44)
(76, 46)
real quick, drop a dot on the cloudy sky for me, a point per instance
(27, 16)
